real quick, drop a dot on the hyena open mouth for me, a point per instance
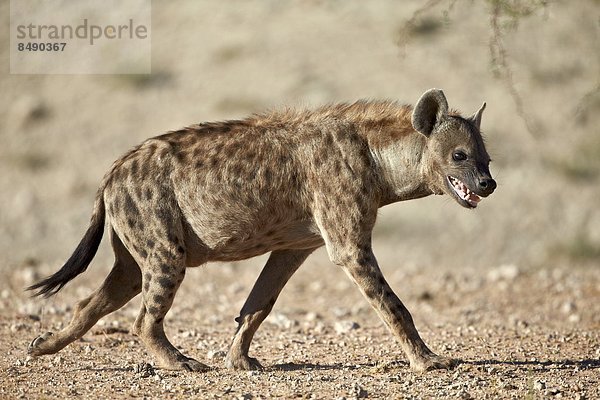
(463, 192)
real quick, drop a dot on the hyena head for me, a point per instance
(457, 162)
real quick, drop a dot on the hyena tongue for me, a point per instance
(473, 199)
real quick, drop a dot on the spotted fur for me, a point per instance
(284, 182)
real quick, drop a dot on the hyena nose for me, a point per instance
(487, 186)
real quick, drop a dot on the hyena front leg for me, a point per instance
(122, 284)
(364, 271)
(347, 234)
(279, 268)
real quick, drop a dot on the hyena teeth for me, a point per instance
(192, 196)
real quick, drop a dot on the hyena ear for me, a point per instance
(430, 110)
(476, 118)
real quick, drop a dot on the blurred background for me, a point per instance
(536, 64)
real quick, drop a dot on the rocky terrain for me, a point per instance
(512, 288)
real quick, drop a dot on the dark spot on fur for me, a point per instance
(247, 201)
(146, 286)
(163, 152)
(130, 206)
(150, 243)
(180, 250)
(397, 310)
(158, 299)
(370, 293)
(165, 268)
(337, 168)
(268, 175)
(388, 293)
(148, 193)
(159, 320)
(230, 151)
(154, 311)
(147, 277)
(381, 280)
(152, 148)
(134, 167)
(143, 253)
(199, 164)
(364, 260)
(163, 215)
(131, 223)
(236, 171)
(172, 239)
(166, 282)
(116, 205)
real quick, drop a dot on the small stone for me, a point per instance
(568, 307)
(144, 370)
(539, 385)
(282, 321)
(574, 318)
(359, 392)
(507, 272)
(216, 355)
(342, 327)
(463, 394)
(14, 328)
(312, 316)
(425, 296)
(340, 312)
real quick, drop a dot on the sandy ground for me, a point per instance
(512, 289)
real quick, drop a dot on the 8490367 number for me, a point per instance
(34, 46)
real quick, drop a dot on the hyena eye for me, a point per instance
(459, 156)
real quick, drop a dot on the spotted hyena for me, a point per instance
(283, 182)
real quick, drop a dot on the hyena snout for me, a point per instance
(486, 186)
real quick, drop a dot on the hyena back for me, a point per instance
(286, 183)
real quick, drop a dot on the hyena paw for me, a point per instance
(187, 364)
(39, 345)
(432, 362)
(243, 363)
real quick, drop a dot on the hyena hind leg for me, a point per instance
(161, 279)
(279, 268)
(122, 284)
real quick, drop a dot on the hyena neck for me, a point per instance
(398, 150)
(402, 169)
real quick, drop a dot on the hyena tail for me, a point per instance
(81, 257)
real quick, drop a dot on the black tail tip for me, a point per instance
(45, 288)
